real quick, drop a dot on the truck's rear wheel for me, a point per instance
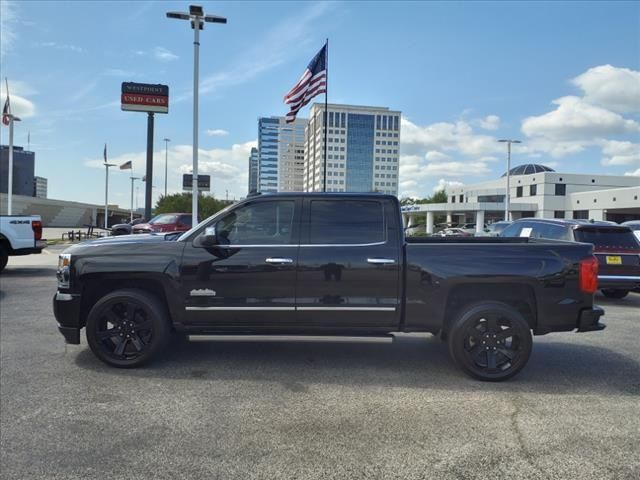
(127, 327)
(4, 257)
(490, 341)
(615, 293)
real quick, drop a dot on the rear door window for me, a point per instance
(608, 238)
(346, 222)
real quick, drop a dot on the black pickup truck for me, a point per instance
(324, 264)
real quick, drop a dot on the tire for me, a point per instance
(141, 339)
(615, 293)
(4, 256)
(506, 336)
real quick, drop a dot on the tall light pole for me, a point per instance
(106, 193)
(197, 18)
(508, 141)
(166, 161)
(132, 180)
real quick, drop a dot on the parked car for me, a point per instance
(324, 264)
(165, 222)
(453, 232)
(635, 226)
(494, 229)
(415, 229)
(20, 235)
(126, 228)
(616, 248)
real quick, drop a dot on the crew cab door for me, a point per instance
(248, 277)
(349, 264)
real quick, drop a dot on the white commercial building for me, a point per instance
(280, 154)
(363, 149)
(535, 191)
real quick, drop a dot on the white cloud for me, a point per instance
(613, 88)
(62, 46)
(456, 169)
(227, 167)
(164, 54)
(490, 122)
(633, 174)
(285, 40)
(216, 132)
(8, 19)
(576, 119)
(446, 185)
(617, 152)
(21, 107)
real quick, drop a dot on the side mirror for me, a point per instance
(209, 238)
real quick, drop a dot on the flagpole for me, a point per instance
(326, 113)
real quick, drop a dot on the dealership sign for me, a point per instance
(144, 97)
(204, 182)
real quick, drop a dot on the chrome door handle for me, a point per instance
(381, 261)
(278, 260)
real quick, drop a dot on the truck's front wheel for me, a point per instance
(490, 341)
(127, 327)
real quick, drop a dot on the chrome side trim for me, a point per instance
(619, 277)
(249, 309)
(346, 309)
(381, 261)
(290, 309)
(64, 297)
(304, 245)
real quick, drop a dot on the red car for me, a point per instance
(165, 222)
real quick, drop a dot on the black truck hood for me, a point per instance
(124, 241)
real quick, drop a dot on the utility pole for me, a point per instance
(132, 180)
(507, 213)
(166, 161)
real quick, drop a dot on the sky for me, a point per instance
(563, 77)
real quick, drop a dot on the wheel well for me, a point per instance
(6, 243)
(518, 296)
(94, 289)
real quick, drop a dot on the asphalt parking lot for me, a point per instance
(283, 408)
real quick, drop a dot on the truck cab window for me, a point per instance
(353, 222)
(260, 223)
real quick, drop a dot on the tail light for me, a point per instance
(589, 275)
(36, 226)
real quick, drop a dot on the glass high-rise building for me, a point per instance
(363, 149)
(253, 171)
(280, 154)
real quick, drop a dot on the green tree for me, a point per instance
(181, 203)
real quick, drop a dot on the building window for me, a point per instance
(561, 189)
(461, 198)
(519, 192)
(453, 199)
(581, 214)
(533, 191)
(558, 214)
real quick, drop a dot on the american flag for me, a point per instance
(312, 83)
(6, 111)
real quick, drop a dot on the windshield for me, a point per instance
(608, 238)
(162, 219)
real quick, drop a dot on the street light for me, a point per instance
(197, 18)
(132, 180)
(508, 141)
(106, 193)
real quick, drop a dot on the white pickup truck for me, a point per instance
(20, 235)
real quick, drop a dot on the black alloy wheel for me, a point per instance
(128, 327)
(490, 341)
(615, 293)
